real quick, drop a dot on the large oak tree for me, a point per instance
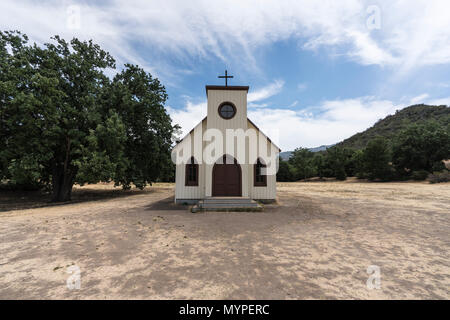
(63, 121)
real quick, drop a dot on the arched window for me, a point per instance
(259, 175)
(191, 173)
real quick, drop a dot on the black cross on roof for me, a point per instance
(226, 76)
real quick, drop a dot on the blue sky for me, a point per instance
(318, 71)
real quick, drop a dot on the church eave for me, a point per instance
(215, 87)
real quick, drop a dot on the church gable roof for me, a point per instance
(190, 132)
(248, 120)
(253, 124)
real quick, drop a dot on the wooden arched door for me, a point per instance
(226, 178)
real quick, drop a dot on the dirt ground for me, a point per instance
(316, 243)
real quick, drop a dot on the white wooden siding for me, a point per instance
(270, 191)
(190, 192)
(214, 121)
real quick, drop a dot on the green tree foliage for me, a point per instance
(376, 159)
(28, 99)
(319, 164)
(302, 163)
(139, 100)
(335, 161)
(358, 163)
(285, 172)
(350, 165)
(62, 121)
(421, 147)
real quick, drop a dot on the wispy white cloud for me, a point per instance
(293, 104)
(189, 116)
(327, 123)
(439, 102)
(412, 33)
(266, 92)
(426, 99)
(419, 99)
(257, 105)
(302, 86)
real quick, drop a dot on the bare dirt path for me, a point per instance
(316, 244)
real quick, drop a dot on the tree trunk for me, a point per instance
(63, 177)
(62, 183)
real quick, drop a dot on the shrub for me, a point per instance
(438, 177)
(438, 166)
(419, 175)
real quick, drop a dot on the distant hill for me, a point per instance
(391, 125)
(321, 148)
(287, 154)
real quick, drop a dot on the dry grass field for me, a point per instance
(316, 243)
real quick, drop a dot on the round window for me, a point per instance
(227, 110)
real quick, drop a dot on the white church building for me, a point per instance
(225, 155)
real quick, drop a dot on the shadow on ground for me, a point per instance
(20, 200)
(166, 204)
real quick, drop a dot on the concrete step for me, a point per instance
(227, 200)
(227, 204)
